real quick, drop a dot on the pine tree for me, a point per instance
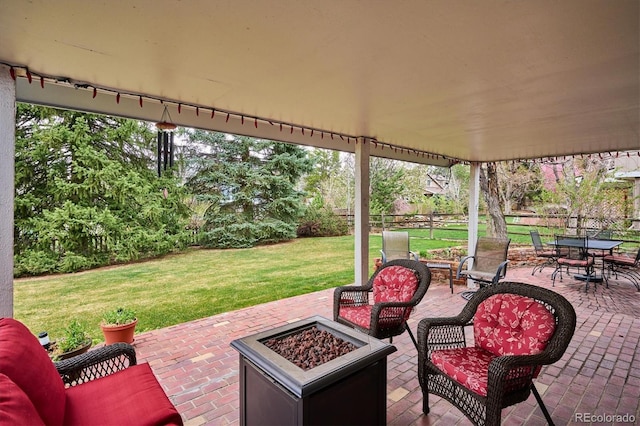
(248, 186)
(86, 193)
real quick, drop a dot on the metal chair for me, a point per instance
(625, 266)
(395, 245)
(576, 256)
(382, 307)
(489, 261)
(603, 234)
(518, 328)
(549, 256)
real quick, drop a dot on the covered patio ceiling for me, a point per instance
(427, 81)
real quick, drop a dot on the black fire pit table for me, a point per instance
(347, 390)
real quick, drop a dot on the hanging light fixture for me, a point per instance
(165, 141)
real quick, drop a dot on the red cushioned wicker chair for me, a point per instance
(395, 288)
(517, 328)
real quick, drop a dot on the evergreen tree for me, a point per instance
(248, 188)
(86, 193)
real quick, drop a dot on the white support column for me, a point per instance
(362, 212)
(7, 184)
(635, 223)
(474, 206)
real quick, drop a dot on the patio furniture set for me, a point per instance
(517, 328)
(513, 330)
(591, 257)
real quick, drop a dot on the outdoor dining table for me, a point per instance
(606, 246)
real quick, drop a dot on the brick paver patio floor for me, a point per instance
(599, 374)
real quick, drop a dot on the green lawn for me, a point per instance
(192, 285)
(200, 283)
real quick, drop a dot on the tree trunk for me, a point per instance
(496, 225)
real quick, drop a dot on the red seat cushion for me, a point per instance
(620, 260)
(359, 315)
(509, 324)
(576, 263)
(27, 364)
(15, 406)
(394, 284)
(467, 366)
(129, 397)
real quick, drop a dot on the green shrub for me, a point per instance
(321, 222)
(34, 262)
(245, 235)
(72, 262)
(75, 335)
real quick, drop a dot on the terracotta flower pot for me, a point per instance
(118, 333)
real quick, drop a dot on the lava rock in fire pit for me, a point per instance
(310, 348)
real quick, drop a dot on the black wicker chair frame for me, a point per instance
(387, 318)
(97, 363)
(510, 379)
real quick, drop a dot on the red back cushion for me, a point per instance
(15, 406)
(394, 284)
(509, 324)
(26, 363)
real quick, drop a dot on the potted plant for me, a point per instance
(118, 325)
(74, 341)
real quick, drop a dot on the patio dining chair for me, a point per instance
(382, 306)
(395, 245)
(575, 257)
(602, 234)
(624, 266)
(489, 261)
(549, 256)
(517, 329)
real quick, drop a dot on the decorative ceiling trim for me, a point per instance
(191, 115)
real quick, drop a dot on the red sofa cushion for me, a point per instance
(27, 364)
(510, 324)
(129, 397)
(15, 406)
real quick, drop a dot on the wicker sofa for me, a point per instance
(103, 386)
